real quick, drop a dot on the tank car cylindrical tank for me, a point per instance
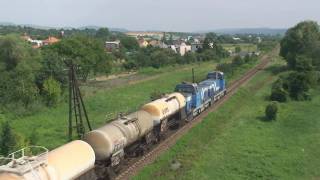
(165, 107)
(118, 134)
(66, 162)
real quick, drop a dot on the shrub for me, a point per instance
(271, 111)
(279, 95)
(156, 95)
(238, 61)
(225, 67)
(52, 91)
(299, 86)
(7, 139)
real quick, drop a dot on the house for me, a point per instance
(236, 39)
(112, 45)
(39, 43)
(154, 43)
(196, 46)
(173, 48)
(142, 42)
(51, 40)
(183, 48)
(35, 43)
(154, 35)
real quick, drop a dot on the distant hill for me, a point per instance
(98, 27)
(266, 31)
(47, 27)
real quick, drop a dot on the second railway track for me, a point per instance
(138, 163)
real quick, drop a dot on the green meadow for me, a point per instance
(243, 46)
(235, 142)
(104, 103)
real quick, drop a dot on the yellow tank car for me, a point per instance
(165, 107)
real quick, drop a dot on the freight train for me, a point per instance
(103, 150)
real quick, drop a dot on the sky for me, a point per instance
(164, 15)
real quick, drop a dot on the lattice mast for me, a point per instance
(77, 110)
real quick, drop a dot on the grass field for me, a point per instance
(51, 124)
(243, 46)
(236, 143)
(104, 103)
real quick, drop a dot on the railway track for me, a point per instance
(138, 163)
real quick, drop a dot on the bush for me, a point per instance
(225, 67)
(238, 61)
(271, 111)
(7, 139)
(52, 91)
(279, 95)
(278, 92)
(156, 95)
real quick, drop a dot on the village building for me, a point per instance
(183, 48)
(149, 34)
(51, 40)
(142, 42)
(196, 46)
(112, 45)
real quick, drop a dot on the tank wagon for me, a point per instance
(104, 149)
(69, 161)
(132, 134)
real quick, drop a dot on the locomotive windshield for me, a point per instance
(185, 89)
(215, 75)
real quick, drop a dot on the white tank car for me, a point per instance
(165, 107)
(111, 139)
(69, 161)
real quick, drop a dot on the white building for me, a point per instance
(112, 45)
(183, 49)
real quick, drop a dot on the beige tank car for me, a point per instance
(69, 161)
(118, 134)
(165, 107)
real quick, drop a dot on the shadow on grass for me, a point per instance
(264, 119)
(276, 69)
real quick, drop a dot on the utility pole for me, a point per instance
(77, 111)
(193, 81)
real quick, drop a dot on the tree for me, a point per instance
(271, 111)
(300, 40)
(19, 64)
(7, 139)
(129, 43)
(85, 52)
(238, 49)
(51, 91)
(103, 34)
(298, 86)
(210, 41)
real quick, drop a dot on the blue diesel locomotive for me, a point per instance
(202, 95)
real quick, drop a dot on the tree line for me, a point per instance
(300, 48)
(31, 78)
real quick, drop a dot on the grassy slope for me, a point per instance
(234, 142)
